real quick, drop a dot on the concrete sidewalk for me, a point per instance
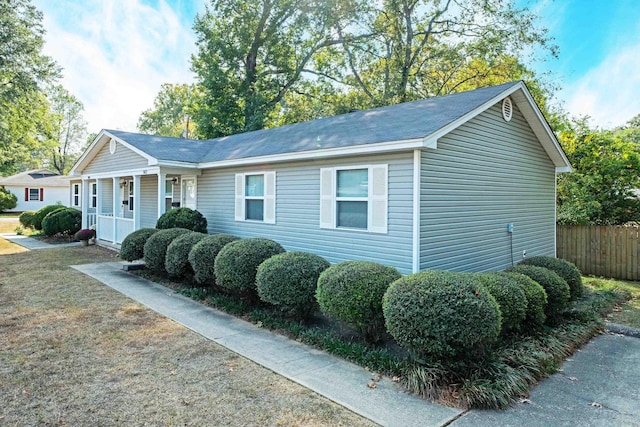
(598, 386)
(329, 376)
(31, 243)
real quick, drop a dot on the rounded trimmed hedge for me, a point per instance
(65, 221)
(182, 218)
(441, 314)
(536, 298)
(237, 264)
(155, 248)
(510, 298)
(132, 247)
(176, 261)
(26, 218)
(40, 214)
(568, 271)
(203, 255)
(352, 292)
(289, 281)
(556, 288)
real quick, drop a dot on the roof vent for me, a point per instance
(112, 145)
(507, 109)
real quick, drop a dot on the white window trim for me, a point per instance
(37, 199)
(377, 196)
(94, 195)
(269, 197)
(76, 199)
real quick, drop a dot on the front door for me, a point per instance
(188, 193)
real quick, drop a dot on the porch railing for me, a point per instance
(106, 230)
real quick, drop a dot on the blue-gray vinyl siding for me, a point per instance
(148, 201)
(107, 196)
(123, 159)
(297, 226)
(484, 175)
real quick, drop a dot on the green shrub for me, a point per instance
(8, 200)
(36, 221)
(568, 271)
(289, 281)
(441, 314)
(352, 291)
(132, 247)
(510, 298)
(556, 288)
(182, 218)
(237, 263)
(65, 221)
(26, 218)
(155, 248)
(536, 298)
(176, 261)
(203, 255)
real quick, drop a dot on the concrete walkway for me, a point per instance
(31, 243)
(598, 386)
(329, 376)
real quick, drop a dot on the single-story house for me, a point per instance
(37, 188)
(461, 182)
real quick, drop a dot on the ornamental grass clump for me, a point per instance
(289, 281)
(132, 247)
(155, 248)
(555, 287)
(442, 315)
(568, 271)
(237, 264)
(182, 218)
(352, 292)
(510, 298)
(176, 261)
(203, 254)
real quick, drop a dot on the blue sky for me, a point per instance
(117, 53)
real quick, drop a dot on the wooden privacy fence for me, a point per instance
(607, 251)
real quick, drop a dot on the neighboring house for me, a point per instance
(37, 188)
(461, 182)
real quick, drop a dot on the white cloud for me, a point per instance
(116, 54)
(609, 92)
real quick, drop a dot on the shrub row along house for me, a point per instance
(459, 182)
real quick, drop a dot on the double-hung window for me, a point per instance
(256, 197)
(34, 194)
(76, 195)
(354, 197)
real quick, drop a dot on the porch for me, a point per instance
(118, 205)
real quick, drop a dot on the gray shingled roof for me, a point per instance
(410, 120)
(36, 178)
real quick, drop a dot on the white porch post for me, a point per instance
(99, 197)
(116, 196)
(162, 177)
(136, 202)
(84, 203)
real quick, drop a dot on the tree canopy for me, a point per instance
(69, 129)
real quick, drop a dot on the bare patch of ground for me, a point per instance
(75, 352)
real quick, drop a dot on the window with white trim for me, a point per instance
(354, 197)
(94, 195)
(256, 197)
(34, 194)
(131, 195)
(76, 195)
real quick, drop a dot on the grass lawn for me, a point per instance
(75, 352)
(627, 314)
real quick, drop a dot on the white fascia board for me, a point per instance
(174, 164)
(364, 149)
(85, 154)
(116, 174)
(532, 114)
